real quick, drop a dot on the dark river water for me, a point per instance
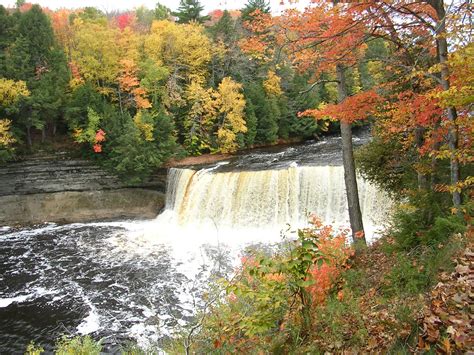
(116, 281)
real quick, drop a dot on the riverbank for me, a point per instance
(58, 188)
(206, 159)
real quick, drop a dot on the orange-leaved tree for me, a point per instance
(419, 32)
(324, 39)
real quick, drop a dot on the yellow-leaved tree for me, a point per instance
(232, 116)
(184, 51)
(202, 115)
(10, 93)
(95, 54)
(272, 84)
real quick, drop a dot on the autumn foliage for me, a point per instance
(283, 290)
(354, 108)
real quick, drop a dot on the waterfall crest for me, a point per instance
(268, 198)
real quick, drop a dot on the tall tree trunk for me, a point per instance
(442, 44)
(355, 214)
(43, 134)
(422, 179)
(28, 136)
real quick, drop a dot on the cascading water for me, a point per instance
(266, 199)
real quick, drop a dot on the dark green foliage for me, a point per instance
(251, 120)
(267, 112)
(190, 10)
(7, 36)
(252, 6)
(134, 158)
(47, 100)
(131, 157)
(267, 126)
(424, 222)
(300, 99)
(18, 60)
(6, 155)
(386, 165)
(304, 127)
(83, 97)
(34, 58)
(34, 26)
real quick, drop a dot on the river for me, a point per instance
(143, 280)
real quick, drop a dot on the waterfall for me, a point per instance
(268, 198)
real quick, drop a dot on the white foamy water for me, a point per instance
(250, 203)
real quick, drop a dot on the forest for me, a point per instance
(136, 88)
(132, 90)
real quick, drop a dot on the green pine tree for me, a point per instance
(252, 6)
(190, 10)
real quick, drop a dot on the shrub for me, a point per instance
(33, 349)
(78, 346)
(273, 299)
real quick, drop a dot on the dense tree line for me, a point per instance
(138, 87)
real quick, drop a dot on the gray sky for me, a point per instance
(108, 5)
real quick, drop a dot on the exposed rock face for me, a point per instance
(55, 189)
(74, 206)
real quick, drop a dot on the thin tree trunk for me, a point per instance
(350, 179)
(442, 44)
(422, 179)
(43, 134)
(28, 136)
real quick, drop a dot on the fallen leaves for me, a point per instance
(447, 318)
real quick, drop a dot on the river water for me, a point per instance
(142, 280)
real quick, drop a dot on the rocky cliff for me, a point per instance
(58, 189)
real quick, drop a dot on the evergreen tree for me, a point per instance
(34, 26)
(190, 10)
(133, 155)
(18, 60)
(48, 90)
(252, 6)
(299, 99)
(267, 127)
(7, 36)
(82, 98)
(224, 29)
(251, 120)
(34, 59)
(266, 111)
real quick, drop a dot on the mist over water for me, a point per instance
(143, 280)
